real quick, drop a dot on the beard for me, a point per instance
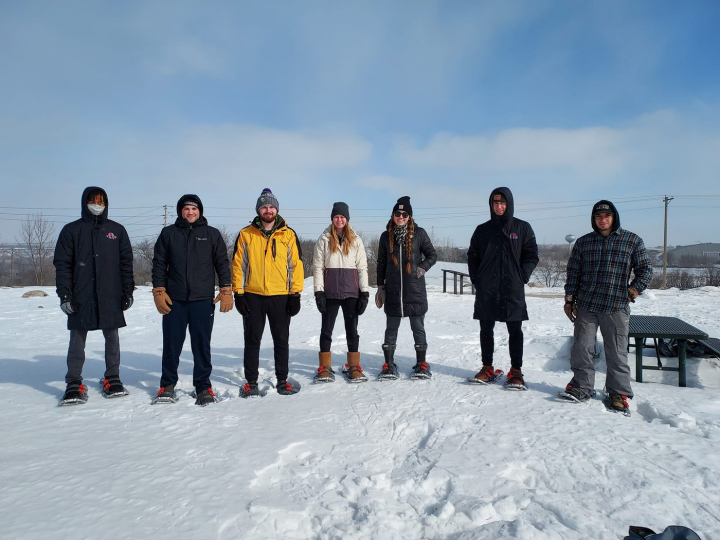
(267, 219)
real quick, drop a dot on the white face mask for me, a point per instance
(95, 209)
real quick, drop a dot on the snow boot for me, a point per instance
(325, 372)
(577, 395)
(515, 380)
(166, 394)
(354, 372)
(206, 397)
(617, 403)
(487, 375)
(284, 388)
(421, 370)
(75, 394)
(250, 390)
(389, 370)
(112, 387)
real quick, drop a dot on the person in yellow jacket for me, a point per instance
(267, 279)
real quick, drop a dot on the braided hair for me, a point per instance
(408, 242)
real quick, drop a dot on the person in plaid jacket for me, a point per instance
(607, 270)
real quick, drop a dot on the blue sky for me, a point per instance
(564, 102)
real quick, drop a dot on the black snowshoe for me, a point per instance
(284, 388)
(250, 390)
(575, 395)
(206, 397)
(75, 394)
(166, 394)
(112, 388)
(421, 371)
(389, 372)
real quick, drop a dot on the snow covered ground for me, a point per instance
(404, 459)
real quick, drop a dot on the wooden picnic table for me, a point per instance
(457, 276)
(651, 326)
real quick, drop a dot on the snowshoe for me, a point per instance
(421, 371)
(75, 394)
(166, 394)
(617, 403)
(487, 375)
(389, 372)
(515, 380)
(575, 395)
(112, 388)
(354, 374)
(284, 388)
(206, 397)
(324, 375)
(250, 390)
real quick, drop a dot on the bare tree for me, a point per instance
(142, 260)
(38, 236)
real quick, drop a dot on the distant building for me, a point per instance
(700, 253)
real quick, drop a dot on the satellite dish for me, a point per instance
(570, 238)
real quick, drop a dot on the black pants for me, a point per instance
(515, 342)
(349, 309)
(417, 325)
(199, 317)
(275, 309)
(76, 354)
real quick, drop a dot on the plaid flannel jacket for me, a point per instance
(598, 272)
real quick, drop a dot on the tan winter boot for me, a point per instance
(325, 372)
(354, 371)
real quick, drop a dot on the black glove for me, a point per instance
(127, 301)
(362, 302)
(320, 301)
(67, 306)
(293, 304)
(241, 304)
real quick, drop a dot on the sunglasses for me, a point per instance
(398, 213)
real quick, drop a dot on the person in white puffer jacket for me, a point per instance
(340, 281)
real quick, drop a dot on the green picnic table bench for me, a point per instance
(651, 326)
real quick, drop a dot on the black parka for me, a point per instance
(94, 266)
(502, 256)
(408, 287)
(188, 255)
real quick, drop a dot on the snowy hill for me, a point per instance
(404, 459)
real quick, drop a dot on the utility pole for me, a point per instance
(12, 265)
(666, 200)
(165, 221)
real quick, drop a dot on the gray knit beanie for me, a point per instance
(266, 198)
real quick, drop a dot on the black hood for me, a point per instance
(189, 197)
(85, 213)
(507, 217)
(616, 218)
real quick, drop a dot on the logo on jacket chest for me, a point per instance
(513, 236)
(198, 238)
(111, 236)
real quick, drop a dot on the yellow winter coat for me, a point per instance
(267, 266)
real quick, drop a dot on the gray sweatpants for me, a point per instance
(614, 330)
(76, 354)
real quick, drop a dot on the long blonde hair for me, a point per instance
(348, 239)
(408, 242)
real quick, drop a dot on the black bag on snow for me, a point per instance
(674, 532)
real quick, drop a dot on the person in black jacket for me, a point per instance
(405, 253)
(502, 256)
(94, 279)
(187, 256)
